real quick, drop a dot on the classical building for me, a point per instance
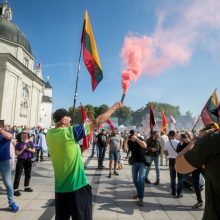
(23, 92)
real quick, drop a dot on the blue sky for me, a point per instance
(54, 30)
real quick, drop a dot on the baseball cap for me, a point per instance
(59, 114)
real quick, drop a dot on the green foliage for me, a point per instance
(127, 116)
(167, 108)
(124, 115)
(99, 110)
(77, 116)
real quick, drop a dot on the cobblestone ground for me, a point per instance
(112, 198)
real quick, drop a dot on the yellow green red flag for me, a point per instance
(90, 53)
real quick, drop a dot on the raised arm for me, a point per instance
(7, 135)
(104, 116)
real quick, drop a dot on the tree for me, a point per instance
(167, 108)
(99, 110)
(137, 116)
(124, 115)
(77, 117)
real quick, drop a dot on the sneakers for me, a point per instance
(17, 192)
(157, 182)
(28, 189)
(140, 202)
(14, 207)
(110, 175)
(197, 205)
(147, 181)
(115, 173)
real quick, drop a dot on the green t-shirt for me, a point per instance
(66, 157)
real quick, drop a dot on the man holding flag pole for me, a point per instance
(73, 196)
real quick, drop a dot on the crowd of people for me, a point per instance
(73, 196)
(25, 144)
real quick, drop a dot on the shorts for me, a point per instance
(77, 204)
(114, 155)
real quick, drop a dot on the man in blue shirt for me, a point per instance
(5, 167)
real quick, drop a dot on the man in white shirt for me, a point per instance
(170, 150)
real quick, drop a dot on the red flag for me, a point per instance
(108, 121)
(86, 138)
(164, 123)
(152, 121)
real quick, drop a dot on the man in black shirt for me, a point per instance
(102, 145)
(204, 151)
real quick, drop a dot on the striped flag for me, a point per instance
(206, 115)
(90, 53)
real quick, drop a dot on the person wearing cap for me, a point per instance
(73, 197)
(102, 146)
(5, 166)
(170, 150)
(24, 150)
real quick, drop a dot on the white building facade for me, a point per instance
(21, 86)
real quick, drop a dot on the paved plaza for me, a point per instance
(112, 198)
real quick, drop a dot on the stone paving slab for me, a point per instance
(112, 198)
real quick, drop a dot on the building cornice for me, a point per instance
(15, 62)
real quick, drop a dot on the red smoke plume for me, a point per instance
(147, 55)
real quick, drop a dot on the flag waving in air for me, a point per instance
(90, 53)
(164, 123)
(206, 115)
(152, 121)
(172, 122)
(86, 138)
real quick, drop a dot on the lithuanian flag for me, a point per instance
(206, 115)
(90, 53)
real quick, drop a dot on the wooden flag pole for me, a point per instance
(76, 86)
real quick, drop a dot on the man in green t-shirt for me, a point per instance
(73, 197)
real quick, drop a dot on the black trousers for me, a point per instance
(196, 178)
(77, 204)
(39, 153)
(26, 165)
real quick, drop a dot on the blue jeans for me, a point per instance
(5, 170)
(94, 146)
(101, 155)
(138, 175)
(173, 175)
(156, 163)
